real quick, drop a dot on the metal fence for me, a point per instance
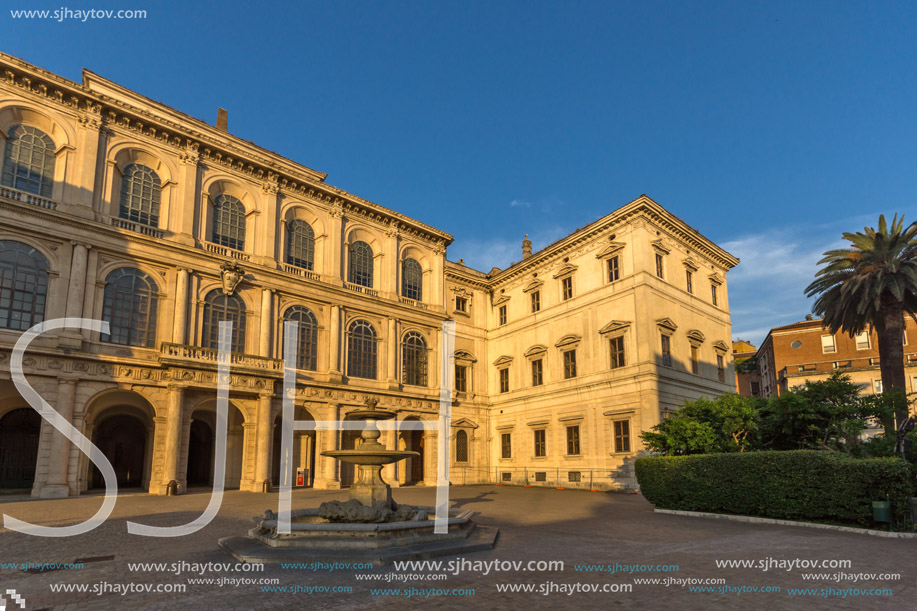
(544, 476)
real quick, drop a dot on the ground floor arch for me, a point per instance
(303, 449)
(120, 424)
(412, 440)
(201, 456)
(20, 429)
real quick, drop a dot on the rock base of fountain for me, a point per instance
(353, 511)
(313, 538)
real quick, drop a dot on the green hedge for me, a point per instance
(806, 485)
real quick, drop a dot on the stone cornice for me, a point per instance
(196, 140)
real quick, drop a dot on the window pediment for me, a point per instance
(501, 300)
(463, 356)
(534, 285)
(696, 336)
(566, 270)
(464, 423)
(504, 361)
(536, 350)
(614, 327)
(610, 249)
(716, 279)
(539, 423)
(571, 419)
(691, 264)
(660, 246)
(568, 340)
(667, 324)
(720, 346)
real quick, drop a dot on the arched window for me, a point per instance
(130, 308)
(361, 350)
(307, 353)
(300, 244)
(141, 191)
(28, 161)
(461, 446)
(411, 279)
(228, 222)
(414, 359)
(361, 264)
(23, 286)
(219, 307)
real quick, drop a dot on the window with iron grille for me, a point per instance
(504, 379)
(507, 477)
(614, 271)
(300, 244)
(666, 350)
(28, 161)
(141, 192)
(617, 352)
(461, 446)
(573, 440)
(129, 306)
(361, 350)
(541, 447)
(506, 447)
(567, 284)
(307, 330)
(228, 222)
(218, 308)
(23, 286)
(622, 435)
(574, 476)
(536, 301)
(414, 359)
(537, 372)
(541, 476)
(461, 378)
(569, 364)
(411, 279)
(501, 314)
(361, 264)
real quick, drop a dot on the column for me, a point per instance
(59, 462)
(391, 369)
(76, 292)
(327, 474)
(336, 244)
(430, 439)
(180, 318)
(267, 330)
(174, 423)
(266, 245)
(389, 472)
(264, 436)
(437, 284)
(184, 207)
(435, 366)
(335, 337)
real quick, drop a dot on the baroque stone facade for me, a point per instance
(118, 208)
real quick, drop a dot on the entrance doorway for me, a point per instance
(19, 431)
(122, 439)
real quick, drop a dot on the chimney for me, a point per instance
(526, 247)
(222, 120)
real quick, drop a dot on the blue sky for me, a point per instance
(771, 127)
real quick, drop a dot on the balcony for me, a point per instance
(413, 302)
(300, 271)
(208, 358)
(226, 251)
(357, 288)
(27, 198)
(153, 232)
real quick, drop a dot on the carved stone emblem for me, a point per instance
(232, 274)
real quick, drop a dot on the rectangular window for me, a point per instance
(720, 368)
(666, 351)
(573, 440)
(863, 340)
(877, 384)
(461, 304)
(541, 476)
(617, 352)
(689, 281)
(755, 389)
(506, 445)
(501, 314)
(713, 293)
(695, 360)
(541, 446)
(504, 379)
(461, 378)
(507, 477)
(659, 270)
(567, 284)
(537, 372)
(569, 364)
(536, 301)
(622, 435)
(574, 476)
(614, 271)
(827, 344)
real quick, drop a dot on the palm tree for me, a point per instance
(874, 282)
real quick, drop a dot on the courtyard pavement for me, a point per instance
(576, 527)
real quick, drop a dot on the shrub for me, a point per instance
(807, 485)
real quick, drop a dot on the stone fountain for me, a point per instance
(369, 526)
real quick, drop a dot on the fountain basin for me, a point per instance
(370, 457)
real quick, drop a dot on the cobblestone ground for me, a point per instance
(576, 527)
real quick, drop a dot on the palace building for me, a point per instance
(117, 208)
